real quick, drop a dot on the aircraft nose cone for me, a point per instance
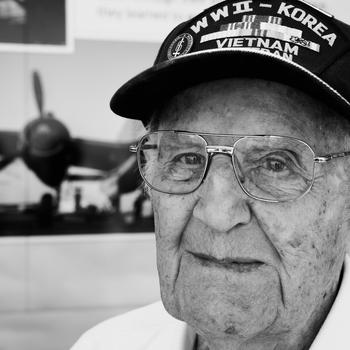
(44, 138)
(47, 150)
(47, 137)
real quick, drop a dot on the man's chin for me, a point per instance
(226, 298)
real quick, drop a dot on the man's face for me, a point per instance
(208, 240)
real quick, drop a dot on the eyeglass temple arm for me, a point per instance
(133, 148)
(328, 157)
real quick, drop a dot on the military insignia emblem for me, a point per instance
(180, 46)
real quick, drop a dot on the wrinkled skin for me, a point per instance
(282, 304)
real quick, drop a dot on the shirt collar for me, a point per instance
(174, 335)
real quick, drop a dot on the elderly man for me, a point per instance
(246, 163)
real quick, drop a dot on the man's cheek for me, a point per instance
(329, 232)
(311, 257)
(169, 264)
(171, 215)
(330, 250)
(290, 230)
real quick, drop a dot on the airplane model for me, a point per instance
(47, 149)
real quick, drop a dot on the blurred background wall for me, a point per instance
(53, 287)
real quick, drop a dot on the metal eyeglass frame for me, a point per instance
(229, 151)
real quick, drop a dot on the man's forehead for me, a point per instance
(242, 106)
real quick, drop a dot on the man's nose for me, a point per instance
(222, 204)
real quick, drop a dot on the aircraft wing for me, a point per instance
(8, 143)
(8, 147)
(103, 156)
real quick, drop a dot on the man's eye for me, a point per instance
(279, 162)
(275, 165)
(189, 159)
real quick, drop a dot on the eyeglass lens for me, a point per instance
(267, 167)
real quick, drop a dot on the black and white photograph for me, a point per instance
(174, 174)
(35, 25)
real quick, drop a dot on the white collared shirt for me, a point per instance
(152, 328)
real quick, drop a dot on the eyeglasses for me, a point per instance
(267, 168)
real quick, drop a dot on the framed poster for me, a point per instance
(36, 26)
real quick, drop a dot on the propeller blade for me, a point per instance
(38, 92)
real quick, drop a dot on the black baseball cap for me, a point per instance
(290, 42)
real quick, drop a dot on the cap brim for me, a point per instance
(141, 95)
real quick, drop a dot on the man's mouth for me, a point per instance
(239, 264)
